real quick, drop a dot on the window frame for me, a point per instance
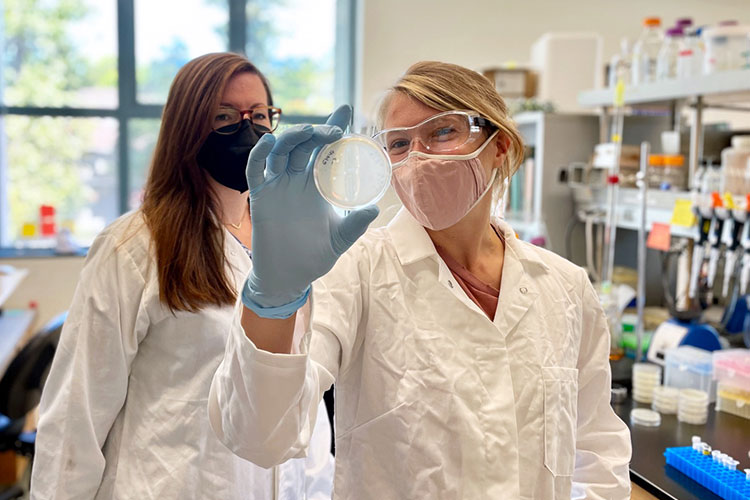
(128, 107)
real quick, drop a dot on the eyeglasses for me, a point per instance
(227, 120)
(445, 133)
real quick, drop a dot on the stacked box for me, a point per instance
(732, 372)
(687, 367)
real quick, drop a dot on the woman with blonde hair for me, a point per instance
(123, 413)
(468, 364)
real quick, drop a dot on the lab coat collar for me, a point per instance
(412, 243)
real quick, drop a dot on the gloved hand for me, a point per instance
(297, 235)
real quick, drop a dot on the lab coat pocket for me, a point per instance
(367, 452)
(560, 416)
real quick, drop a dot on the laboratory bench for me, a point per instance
(648, 469)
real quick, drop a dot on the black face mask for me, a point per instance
(224, 156)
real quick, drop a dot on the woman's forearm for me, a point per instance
(271, 335)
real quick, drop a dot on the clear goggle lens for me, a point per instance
(444, 133)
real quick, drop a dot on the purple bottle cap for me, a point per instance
(676, 31)
(684, 21)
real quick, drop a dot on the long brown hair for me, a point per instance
(178, 205)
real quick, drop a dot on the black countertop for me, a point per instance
(648, 469)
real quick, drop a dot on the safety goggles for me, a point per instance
(450, 132)
(227, 120)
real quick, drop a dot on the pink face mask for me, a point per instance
(439, 190)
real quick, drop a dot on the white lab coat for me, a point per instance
(123, 413)
(434, 400)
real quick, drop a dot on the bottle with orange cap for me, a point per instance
(646, 52)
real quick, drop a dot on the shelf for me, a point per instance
(724, 86)
(659, 207)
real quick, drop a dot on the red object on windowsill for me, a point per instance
(47, 220)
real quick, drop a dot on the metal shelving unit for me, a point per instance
(725, 90)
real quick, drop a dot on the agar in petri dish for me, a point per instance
(352, 172)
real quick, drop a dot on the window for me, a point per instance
(83, 82)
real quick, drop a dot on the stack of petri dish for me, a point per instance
(646, 377)
(666, 399)
(693, 406)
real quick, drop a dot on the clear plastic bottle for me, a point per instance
(690, 58)
(666, 64)
(734, 164)
(646, 52)
(712, 179)
(619, 64)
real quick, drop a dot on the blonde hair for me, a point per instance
(447, 87)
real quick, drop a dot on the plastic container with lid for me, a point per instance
(666, 63)
(730, 399)
(734, 161)
(674, 176)
(655, 170)
(727, 48)
(646, 52)
(732, 366)
(687, 367)
(690, 57)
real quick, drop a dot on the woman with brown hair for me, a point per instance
(123, 414)
(468, 364)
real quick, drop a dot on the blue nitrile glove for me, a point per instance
(297, 235)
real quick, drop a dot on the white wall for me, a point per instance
(482, 33)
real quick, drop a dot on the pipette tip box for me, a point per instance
(728, 484)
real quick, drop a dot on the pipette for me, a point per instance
(745, 242)
(704, 214)
(721, 214)
(737, 222)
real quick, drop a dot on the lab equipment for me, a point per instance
(646, 52)
(737, 221)
(734, 164)
(690, 57)
(726, 483)
(727, 48)
(692, 407)
(655, 170)
(704, 212)
(641, 294)
(353, 172)
(676, 332)
(608, 301)
(733, 400)
(666, 64)
(674, 174)
(721, 215)
(645, 417)
(297, 235)
(666, 399)
(687, 367)
(646, 377)
(619, 64)
(732, 367)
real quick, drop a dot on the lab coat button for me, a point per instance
(524, 290)
(450, 283)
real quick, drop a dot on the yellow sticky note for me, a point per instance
(28, 230)
(682, 214)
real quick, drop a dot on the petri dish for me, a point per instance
(352, 172)
(642, 416)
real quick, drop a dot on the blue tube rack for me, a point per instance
(728, 484)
